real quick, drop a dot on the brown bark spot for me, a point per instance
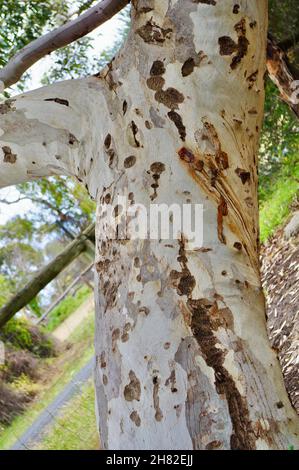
(9, 157)
(228, 46)
(213, 445)
(236, 9)
(134, 129)
(206, 2)
(130, 161)
(6, 107)
(252, 79)
(105, 379)
(172, 382)
(157, 167)
(171, 97)
(155, 83)
(238, 246)
(158, 68)
(134, 416)
(178, 122)
(243, 436)
(132, 391)
(125, 106)
(188, 67)
(243, 174)
(59, 101)
(73, 140)
(221, 212)
(158, 414)
(152, 33)
(183, 281)
(107, 141)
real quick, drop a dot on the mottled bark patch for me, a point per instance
(155, 82)
(132, 391)
(228, 46)
(190, 64)
(130, 161)
(158, 68)
(171, 98)
(7, 106)
(243, 437)
(183, 280)
(152, 33)
(134, 416)
(9, 157)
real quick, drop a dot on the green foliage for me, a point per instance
(20, 334)
(278, 163)
(66, 307)
(275, 206)
(5, 290)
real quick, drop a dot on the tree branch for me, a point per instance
(279, 72)
(58, 38)
(47, 274)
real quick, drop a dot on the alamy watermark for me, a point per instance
(126, 221)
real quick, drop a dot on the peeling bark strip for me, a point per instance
(243, 437)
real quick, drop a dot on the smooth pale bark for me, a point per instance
(183, 357)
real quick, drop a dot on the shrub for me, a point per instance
(12, 403)
(18, 363)
(20, 334)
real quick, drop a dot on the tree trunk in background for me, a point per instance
(183, 357)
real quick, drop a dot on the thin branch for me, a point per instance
(59, 38)
(280, 73)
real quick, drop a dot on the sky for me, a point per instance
(104, 36)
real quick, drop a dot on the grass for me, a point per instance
(276, 202)
(60, 371)
(75, 428)
(66, 307)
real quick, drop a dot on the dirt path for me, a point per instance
(70, 324)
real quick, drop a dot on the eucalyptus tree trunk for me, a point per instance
(183, 358)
